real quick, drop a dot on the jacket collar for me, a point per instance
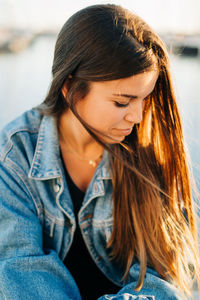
(103, 170)
(47, 163)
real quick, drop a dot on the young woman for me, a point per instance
(94, 184)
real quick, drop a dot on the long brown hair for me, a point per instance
(154, 218)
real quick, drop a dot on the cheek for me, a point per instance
(102, 117)
(110, 117)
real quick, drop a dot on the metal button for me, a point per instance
(56, 188)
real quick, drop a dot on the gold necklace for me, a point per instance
(92, 162)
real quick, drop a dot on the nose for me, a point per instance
(135, 113)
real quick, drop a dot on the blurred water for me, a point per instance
(186, 71)
(25, 78)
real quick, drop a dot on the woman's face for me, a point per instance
(114, 107)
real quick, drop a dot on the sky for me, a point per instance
(182, 16)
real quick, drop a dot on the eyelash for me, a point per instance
(118, 104)
(121, 104)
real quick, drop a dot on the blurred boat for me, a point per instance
(14, 41)
(182, 44)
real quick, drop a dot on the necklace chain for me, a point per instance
(92, 162)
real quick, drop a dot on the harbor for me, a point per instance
(16, 40)
(183, 44)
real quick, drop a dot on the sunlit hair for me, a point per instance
(154, 218)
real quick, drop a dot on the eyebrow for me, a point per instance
(126, 96)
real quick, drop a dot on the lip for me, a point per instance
(125, 131)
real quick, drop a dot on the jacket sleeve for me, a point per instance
(26, 272)
(154, 288)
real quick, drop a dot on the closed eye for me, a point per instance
(118, 104)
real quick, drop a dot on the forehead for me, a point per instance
(137, 85)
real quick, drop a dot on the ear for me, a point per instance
(64, 90)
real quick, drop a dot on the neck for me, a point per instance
(73, 134)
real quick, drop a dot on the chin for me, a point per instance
(115, 140)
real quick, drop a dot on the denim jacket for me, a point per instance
(37, 222)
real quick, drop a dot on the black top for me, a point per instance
(91, 282)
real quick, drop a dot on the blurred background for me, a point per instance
(28, 31)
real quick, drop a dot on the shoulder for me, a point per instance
(154, 284)
(19, 133)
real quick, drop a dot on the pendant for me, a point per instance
(92, 163)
